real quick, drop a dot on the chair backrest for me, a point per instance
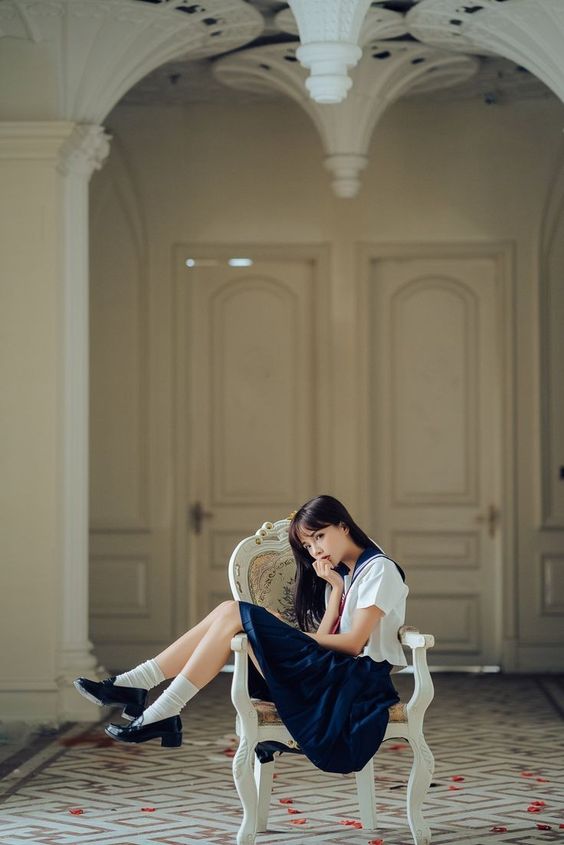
(262, 570)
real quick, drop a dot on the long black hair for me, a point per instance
(309, 596)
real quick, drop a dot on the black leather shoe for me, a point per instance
(104, 692)
(168, 730)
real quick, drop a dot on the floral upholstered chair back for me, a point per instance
(262, 570)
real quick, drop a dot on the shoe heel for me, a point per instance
(132, 711)
(171, 740)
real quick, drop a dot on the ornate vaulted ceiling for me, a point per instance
(183, 82)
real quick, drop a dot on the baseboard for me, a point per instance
(540, 658)
(39, 707)
(119, 658)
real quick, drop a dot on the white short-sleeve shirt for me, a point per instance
(378, 583)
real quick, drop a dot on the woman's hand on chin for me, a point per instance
(324, 569)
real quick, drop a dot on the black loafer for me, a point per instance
(105, 693)
(169, 731)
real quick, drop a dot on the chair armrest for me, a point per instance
(239, 642)
(239, 685)
(412, 638)
(423, 691)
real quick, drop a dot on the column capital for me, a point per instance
(84, 150)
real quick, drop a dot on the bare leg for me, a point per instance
(208, 646)
(214, 647)
(172, 660)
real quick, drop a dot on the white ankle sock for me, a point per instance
(145, 676)
(171, 701)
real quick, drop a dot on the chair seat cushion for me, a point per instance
(267, 714)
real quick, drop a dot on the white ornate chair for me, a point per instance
(262, 571)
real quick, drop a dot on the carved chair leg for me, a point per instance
(418, 784)
(263, 781)
(245, 784)
(366, 796)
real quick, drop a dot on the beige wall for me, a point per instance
(253, 174)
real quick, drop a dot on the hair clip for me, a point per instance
(291, 516)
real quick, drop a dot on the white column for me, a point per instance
(65, 64)
(44, 172)
(82, 153)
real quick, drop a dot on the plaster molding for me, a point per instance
(85, 150)
(101, 48)
(378, 23)
(387, 72)
(329, 33)
(526, 31)
(34, 140)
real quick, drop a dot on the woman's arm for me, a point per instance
(352, 642)
(332, 610)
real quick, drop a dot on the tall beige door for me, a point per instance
(435, 430)
(247, 447)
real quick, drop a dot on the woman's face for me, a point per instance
(332, 543)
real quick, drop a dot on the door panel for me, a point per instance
(249, 357)
(436, 444)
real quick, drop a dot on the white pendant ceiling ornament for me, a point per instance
(529, 32)
(329, 32)
(101, 48)
(387, 71)
(377, 23)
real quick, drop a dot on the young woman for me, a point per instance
(330, 681)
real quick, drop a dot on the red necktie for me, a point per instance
(337, 623)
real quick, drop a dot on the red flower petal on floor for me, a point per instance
(298, 821)
(229, 752)
(533, 809)
(542, 780)
(457, 778)
(561, 826)
(375, 842)
(286, 800)
(147, 809)
(357, 825)
(293, 811)
(76, 812)
(538, 804)
(544, 826)
(498, 828)
(397, 746)
(526, 774)
(455, 788)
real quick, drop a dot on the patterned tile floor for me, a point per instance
(502, 734)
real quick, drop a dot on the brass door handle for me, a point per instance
(492, 518)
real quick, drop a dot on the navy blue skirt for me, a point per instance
(334, 705)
